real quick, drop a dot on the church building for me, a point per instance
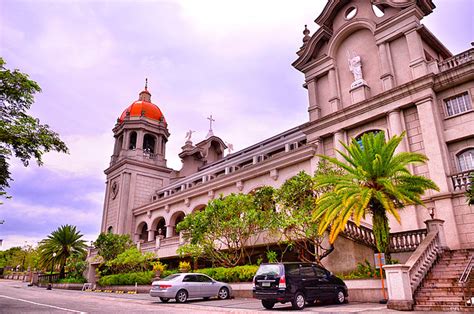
(371, 66)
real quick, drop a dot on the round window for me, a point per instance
(350, 13)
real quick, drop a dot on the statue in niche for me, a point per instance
(355, 66)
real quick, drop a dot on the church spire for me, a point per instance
(145, 94)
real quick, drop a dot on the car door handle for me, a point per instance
(303, 279)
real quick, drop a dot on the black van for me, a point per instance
(298, 283)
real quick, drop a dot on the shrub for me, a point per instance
(141, 278)
(72, 280)
(184, 266)
(234, 274)
(158, 266)
(168, 272)
(132, 260)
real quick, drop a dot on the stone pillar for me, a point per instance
(124, 192)
(400, 296)
(417, 56)
(387, 75)
(334, 101)
(437, 224)
(314, 109)
(91, 273)
(396, 128)
(136, 237)
(169, 231)
(158, 241)
(433, 142)
(339, 137)
(151, 235)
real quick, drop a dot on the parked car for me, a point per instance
(298, 283)
(184, 286)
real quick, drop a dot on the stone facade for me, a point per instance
(407, 83)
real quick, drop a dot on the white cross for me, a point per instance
(210, 121)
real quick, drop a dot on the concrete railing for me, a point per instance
(457, 60)
(404, 279)
(462, 180)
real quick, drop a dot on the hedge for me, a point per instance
(234, 274)
(141, 278)
(72, 280)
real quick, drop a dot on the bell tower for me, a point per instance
(138, 164)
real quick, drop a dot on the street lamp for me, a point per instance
(50, 284)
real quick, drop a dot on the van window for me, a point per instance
(307, 271)
(292, 269)
(268, 270)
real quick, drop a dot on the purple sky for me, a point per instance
(231, 59)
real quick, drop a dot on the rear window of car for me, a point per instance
(269, 270)
(170, 277)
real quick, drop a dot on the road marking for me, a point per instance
(52, 306)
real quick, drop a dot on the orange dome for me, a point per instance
(143, 106)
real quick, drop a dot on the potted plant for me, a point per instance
(184, 266)
(158, 268)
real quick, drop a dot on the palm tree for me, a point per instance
(375, 181)
(64, 242)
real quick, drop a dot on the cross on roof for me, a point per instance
(210, 121)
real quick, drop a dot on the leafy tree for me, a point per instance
(375, 181)
(17, 256)
(64, 241)
(131, 260)
(470, 191)
(224, 230)
(110, 245)
(21, 135)
(76, 265)
(296, 199)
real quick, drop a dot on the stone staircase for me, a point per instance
(440, 289)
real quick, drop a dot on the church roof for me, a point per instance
(143, 107)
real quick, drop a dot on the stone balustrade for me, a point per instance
(457, 60)
(462, 180)
(406, 241)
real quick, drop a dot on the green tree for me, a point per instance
(21, 135)
(224, 230)
(296, 199)
(64, 241)
(470, 190)
(131, 260)
(375, 181)
(110, 245)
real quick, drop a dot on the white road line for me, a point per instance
(47, 305)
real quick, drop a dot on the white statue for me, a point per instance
(355, 66)
(230, 147)
(188, 135)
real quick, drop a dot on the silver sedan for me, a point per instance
(183, 286)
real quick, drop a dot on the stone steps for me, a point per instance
(443, 308)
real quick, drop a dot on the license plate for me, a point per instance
(265, 284)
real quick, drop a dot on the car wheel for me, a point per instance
(268, 304)
(181, 296)
(340, 297)
(298, 301)
(164, 300)
(223, 293)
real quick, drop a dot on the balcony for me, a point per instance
(462, 180)
(456, 60)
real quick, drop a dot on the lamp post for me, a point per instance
(50, 284)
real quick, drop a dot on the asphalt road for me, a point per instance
(17, 297)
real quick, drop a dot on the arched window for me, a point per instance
(466, 160)
(149, 143)
(110, 230)
(133, 140)
(144, 232)
(359, 138)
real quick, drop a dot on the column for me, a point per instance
(432, 142)
(169, 231)
(387, 75)
(400, 296)
(339, 137)
(124, 192)
(314, 109)
(140, 135)
(417, 57)
(334, 101)
(151, 235)
(396, 128)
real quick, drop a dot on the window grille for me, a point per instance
(466, 160)
(458, 104)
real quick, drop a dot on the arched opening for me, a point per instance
(110, 230)
(199, 208)
(175, 220)
(133, 140)
(359, 137)
(143, 232)
(149, 143)
(466, 160)
(118, 145)
(159, 225)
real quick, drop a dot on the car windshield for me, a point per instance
(268, 270)
(170, 277)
